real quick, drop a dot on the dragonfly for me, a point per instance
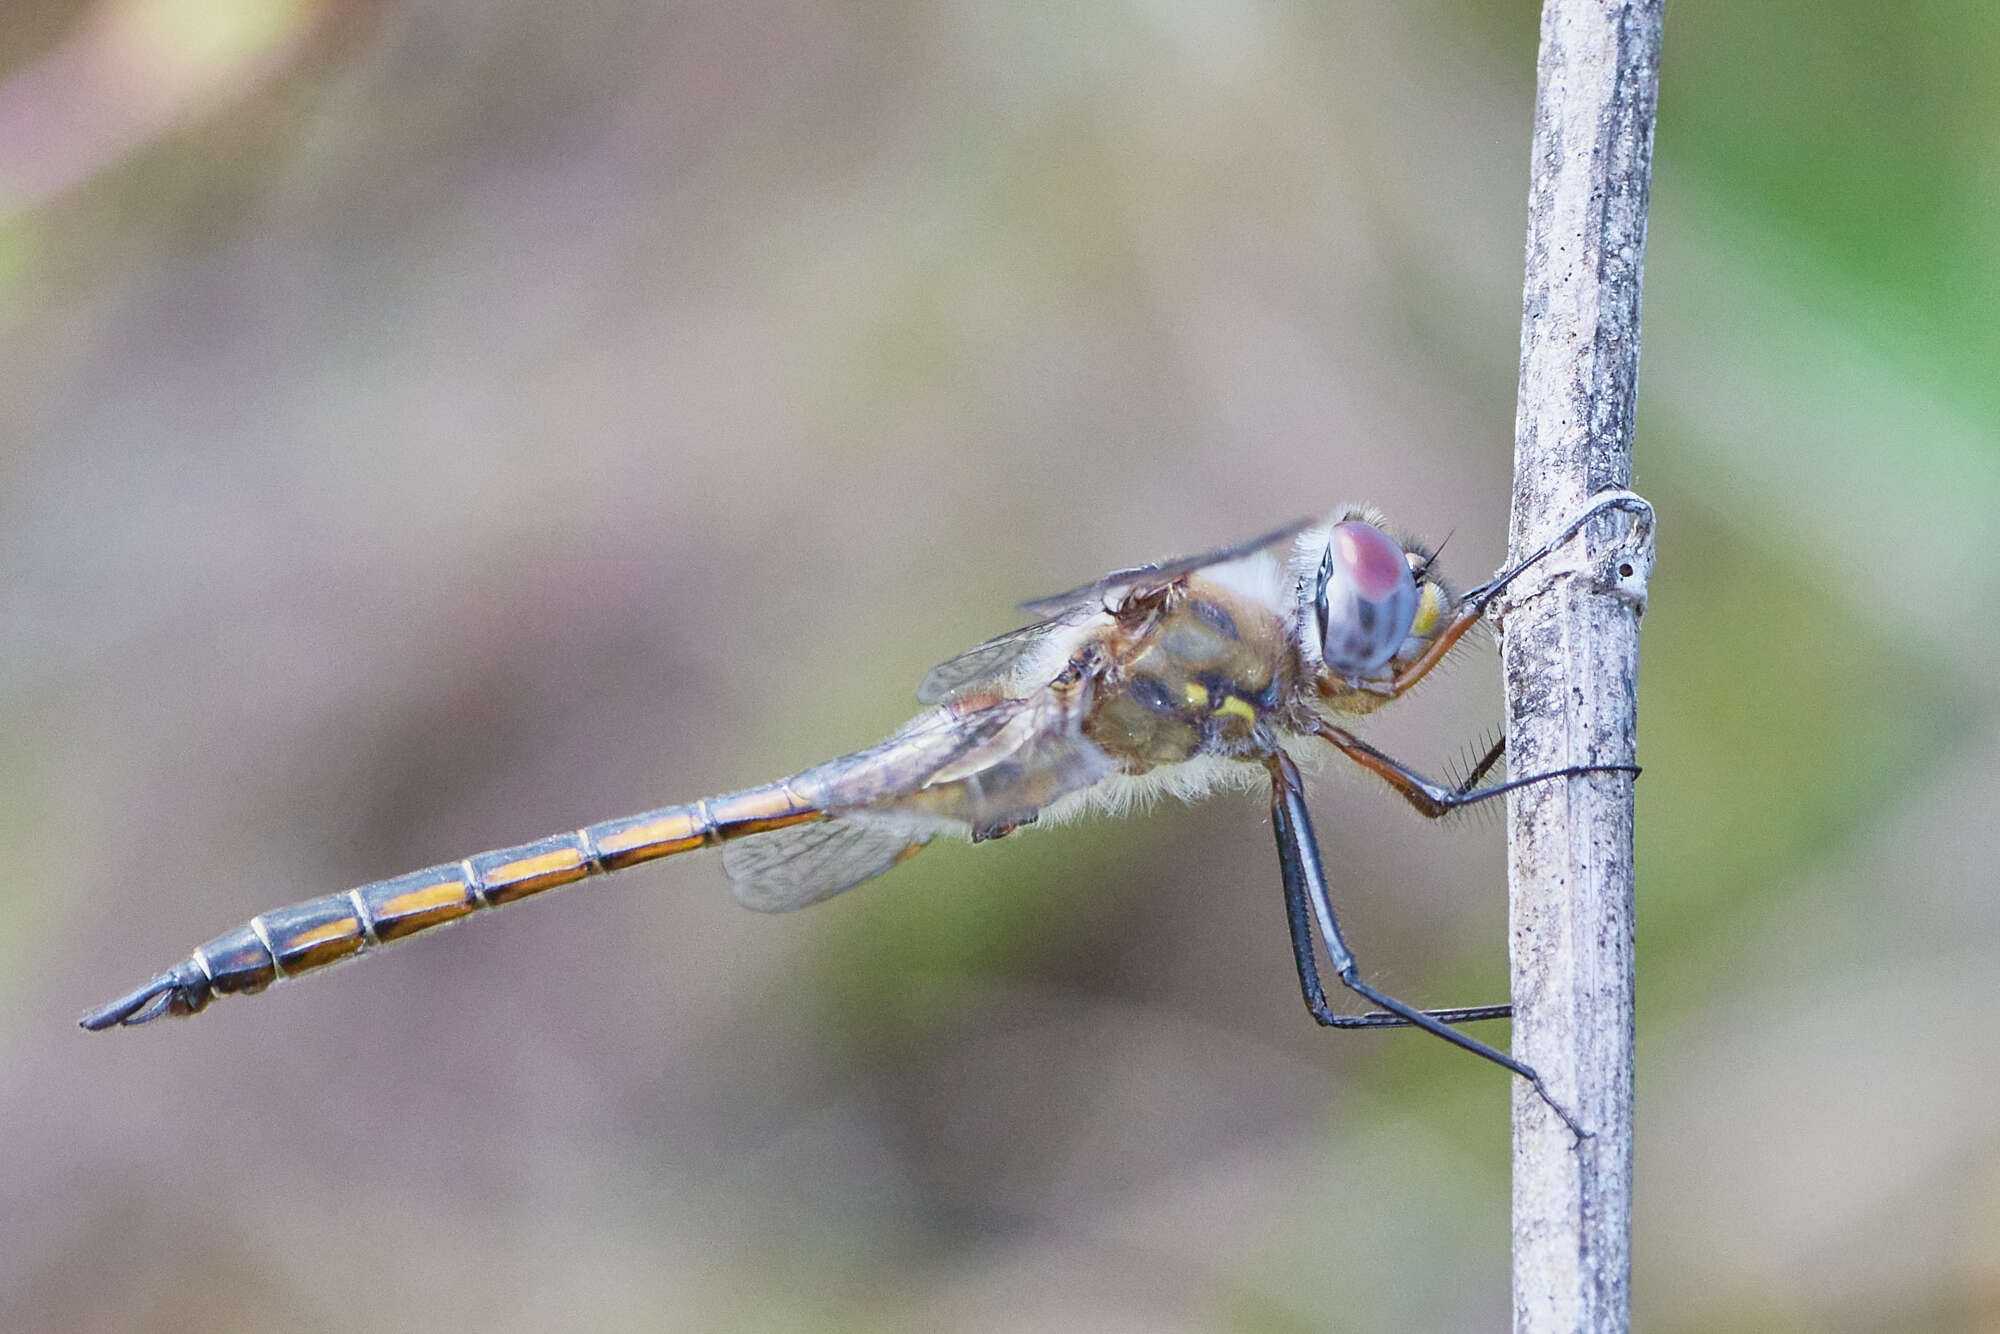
(1183, 678)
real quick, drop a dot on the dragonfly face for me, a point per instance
(1180, 678)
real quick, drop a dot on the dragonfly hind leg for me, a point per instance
(1306, 897)
(1298, 912)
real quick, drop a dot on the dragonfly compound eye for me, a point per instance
(1367, 599)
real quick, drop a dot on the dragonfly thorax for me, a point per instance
(1213, 666)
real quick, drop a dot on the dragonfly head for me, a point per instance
(1374, 599)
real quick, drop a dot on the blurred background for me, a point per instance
(426, 426)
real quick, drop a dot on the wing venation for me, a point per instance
(984, 664)
(1142, 578)
(792, 868)
(994, 661)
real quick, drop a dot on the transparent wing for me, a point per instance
(992, 662)
(791, 868)
(985, 664)
(983, 773)
(797, 867)
(1143, 578)
(903, 764)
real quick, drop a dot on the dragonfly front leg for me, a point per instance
(1306, 892)
(1473, 605)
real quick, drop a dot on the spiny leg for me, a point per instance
(1305, 882)
(1299, 850)
(1298, 914)
(1432, 799)
(1481, 769)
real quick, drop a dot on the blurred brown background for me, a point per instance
(426, 426)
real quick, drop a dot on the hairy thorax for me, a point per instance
(1196, 677)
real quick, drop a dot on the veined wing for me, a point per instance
(1122, 584)
(791, 868)
(989, 663)
(994, 661)
(980, 774)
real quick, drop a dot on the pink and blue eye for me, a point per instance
(1367, 599)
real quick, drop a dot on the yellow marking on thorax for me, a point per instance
(1236, 707)
(1197, 695)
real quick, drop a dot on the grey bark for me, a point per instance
(1570, 658)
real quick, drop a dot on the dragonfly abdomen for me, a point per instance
(286, 942)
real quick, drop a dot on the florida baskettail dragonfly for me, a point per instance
(1184, 677)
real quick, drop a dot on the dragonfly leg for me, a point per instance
(1305, 889)
(1478, 772)
(1298, 913)
(1475, 601)
(1432, 799)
